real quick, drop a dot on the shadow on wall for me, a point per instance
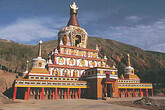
(9, 92)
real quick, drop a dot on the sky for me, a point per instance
(136, 22)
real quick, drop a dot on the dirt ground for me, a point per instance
(74, 104)
(154, 103)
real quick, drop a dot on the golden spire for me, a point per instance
(73, 8)
(128, 60)
(39, 51)
(73, 15)
(27, 65)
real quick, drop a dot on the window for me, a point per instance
(77, 40)
(39, 64)
(65, 39)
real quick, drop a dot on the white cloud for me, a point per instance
(133, 18)
(26, 30)
(143, 36)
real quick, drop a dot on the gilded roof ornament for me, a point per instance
(73, 6)
(39, 50)
(128, 60)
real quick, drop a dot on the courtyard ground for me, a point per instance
(73, 104)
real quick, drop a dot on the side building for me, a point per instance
(71, 70)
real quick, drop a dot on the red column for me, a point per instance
(54, 60)
(76, 62)
(25, 96)
(133, 92)
(126, 92)
(75, 95)
(42, 95)
(64, 94)
(28, 93)
(79, 93)
(152, 92)
(140, 92)
(146, 92)
(53, 94)
(15, 93)
(68, 93)
(56, 93)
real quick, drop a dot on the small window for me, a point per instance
(39, 64)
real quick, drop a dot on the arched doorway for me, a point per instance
(77, 40)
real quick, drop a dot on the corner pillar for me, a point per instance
(15, 93)
(56, 93)
(28, 92)
(140, 92)
(152, 92)
(79, 93)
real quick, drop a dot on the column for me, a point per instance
(75, 62)
(64, 94)
(25, 96)
(133, 92)
(126, 92)
(54, 60)
(140, 92)
(75, 94)
(15, 93)
(79, 93)
(53, 93)
(68, 93)
(42, 95)
(28, 93)
(56, 93)
(152, 92)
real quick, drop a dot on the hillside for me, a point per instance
(11, 52)
(13, 56)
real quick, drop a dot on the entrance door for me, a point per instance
(109, 90)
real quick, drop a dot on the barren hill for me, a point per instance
(148, 64)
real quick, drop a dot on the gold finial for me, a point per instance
(39, 51)
(73, 8)
(128, 60)
(27, 65)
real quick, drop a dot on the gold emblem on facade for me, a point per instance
(101, 72)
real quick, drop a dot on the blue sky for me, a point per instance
(137, 22)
